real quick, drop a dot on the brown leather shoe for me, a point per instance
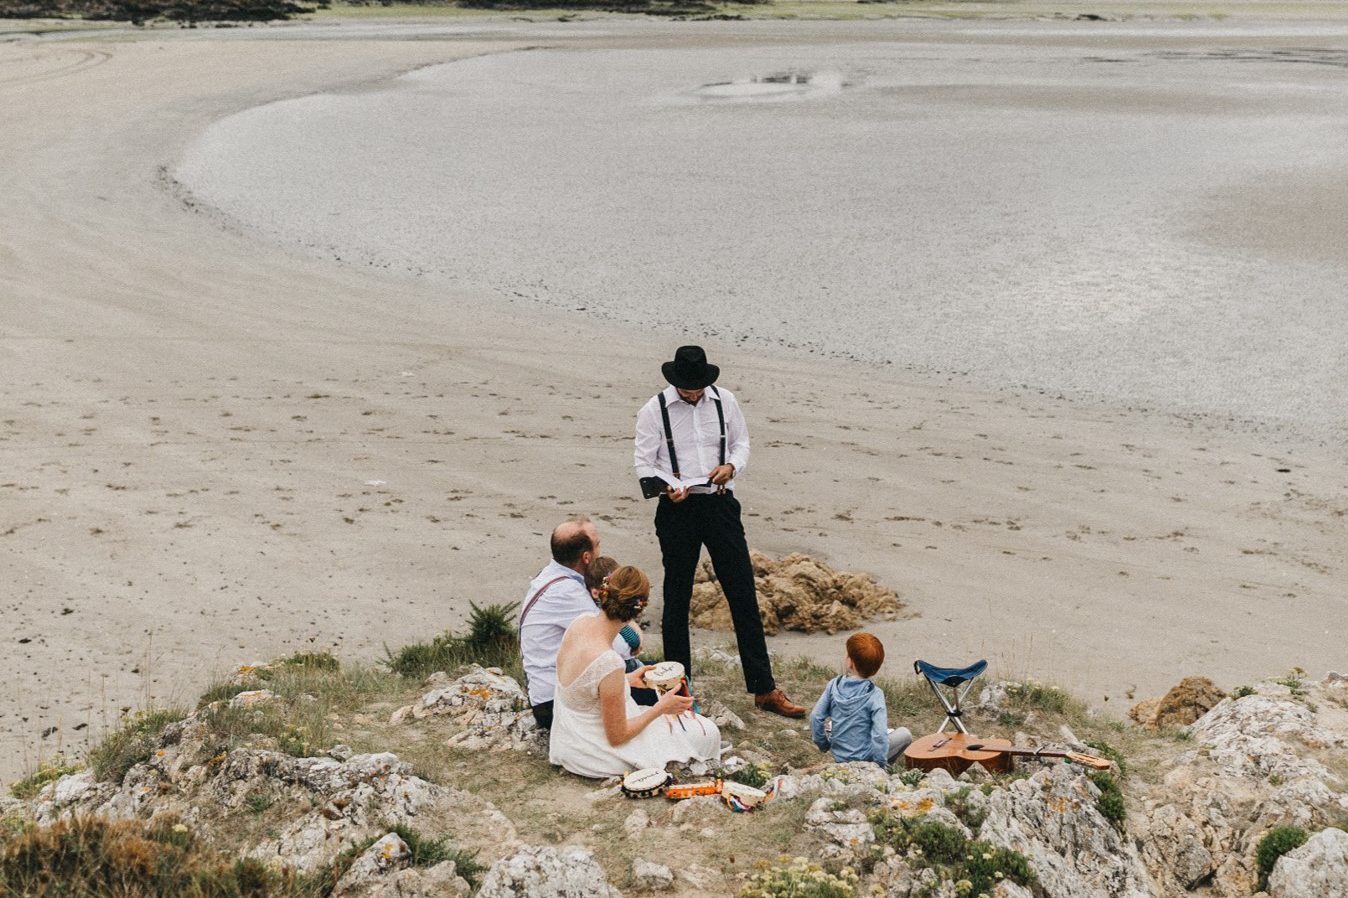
(777, 702)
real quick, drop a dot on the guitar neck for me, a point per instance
(1074, 757)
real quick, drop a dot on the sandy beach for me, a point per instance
(219, 448)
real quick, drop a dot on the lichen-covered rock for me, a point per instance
(252, 697)
(1052, 819)
(362, 795)
(651, 877)
(723, 717)
(546, 872)
(1318, 869)
(844, 827)
(491, 708)
(384, 871)
(797, 593)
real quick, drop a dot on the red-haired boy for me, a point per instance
(851, 719)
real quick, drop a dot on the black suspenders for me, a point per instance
(669, 436)
(669, 431)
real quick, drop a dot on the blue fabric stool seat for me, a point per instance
(949, 676)
(959, 680)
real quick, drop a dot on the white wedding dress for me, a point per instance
(579, 745)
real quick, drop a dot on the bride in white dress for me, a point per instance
(597, 729)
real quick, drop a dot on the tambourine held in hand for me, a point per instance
(665, 676)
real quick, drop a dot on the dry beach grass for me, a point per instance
(218, 450)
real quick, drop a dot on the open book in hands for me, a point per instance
(658, 485)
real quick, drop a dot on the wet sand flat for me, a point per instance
(219, 447)
(1091, 211)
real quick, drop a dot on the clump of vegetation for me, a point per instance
(491, 641)
(799, 878)
(973, 866)
(427, 852)
(912, 777)
(1109, 753)
(1030, 696)
(424, 852)
(89, 856)
(1295, 681)
(132, 743)
(1276, 842)
(1110, 803)
(309, 689)
(139, 12)
(1242, 691)
(969, 812)
(755, 775)
(312, 662)
(48, 771)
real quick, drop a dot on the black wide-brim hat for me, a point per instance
(689, 370)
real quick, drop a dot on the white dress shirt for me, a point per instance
(697, 437)
(545, 625)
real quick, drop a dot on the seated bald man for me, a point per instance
(556, 597)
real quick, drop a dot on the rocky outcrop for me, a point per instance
(1052, 819)
(333, 804)
(384, 870)
(797, 593)
(1251, 763)
(1271, 756)
(1189, 700)
(1318, 869)
(546, 872)
(491, 708)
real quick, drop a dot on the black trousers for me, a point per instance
(706, 519)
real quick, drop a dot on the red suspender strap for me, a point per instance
(536, 596)
(527, 605)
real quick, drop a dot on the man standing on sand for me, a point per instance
(556, 597)
(694, 433)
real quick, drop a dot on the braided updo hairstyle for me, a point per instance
(624, 593)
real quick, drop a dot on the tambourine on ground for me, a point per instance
(650, 782)
(646, 783)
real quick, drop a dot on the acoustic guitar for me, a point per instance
(955, 752)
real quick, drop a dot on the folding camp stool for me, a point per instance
(959, 680)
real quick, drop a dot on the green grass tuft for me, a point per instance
(1110, 803)
(1109, 753)
(491, 641)
(89, 857)
(48, 771)
(131, 743)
